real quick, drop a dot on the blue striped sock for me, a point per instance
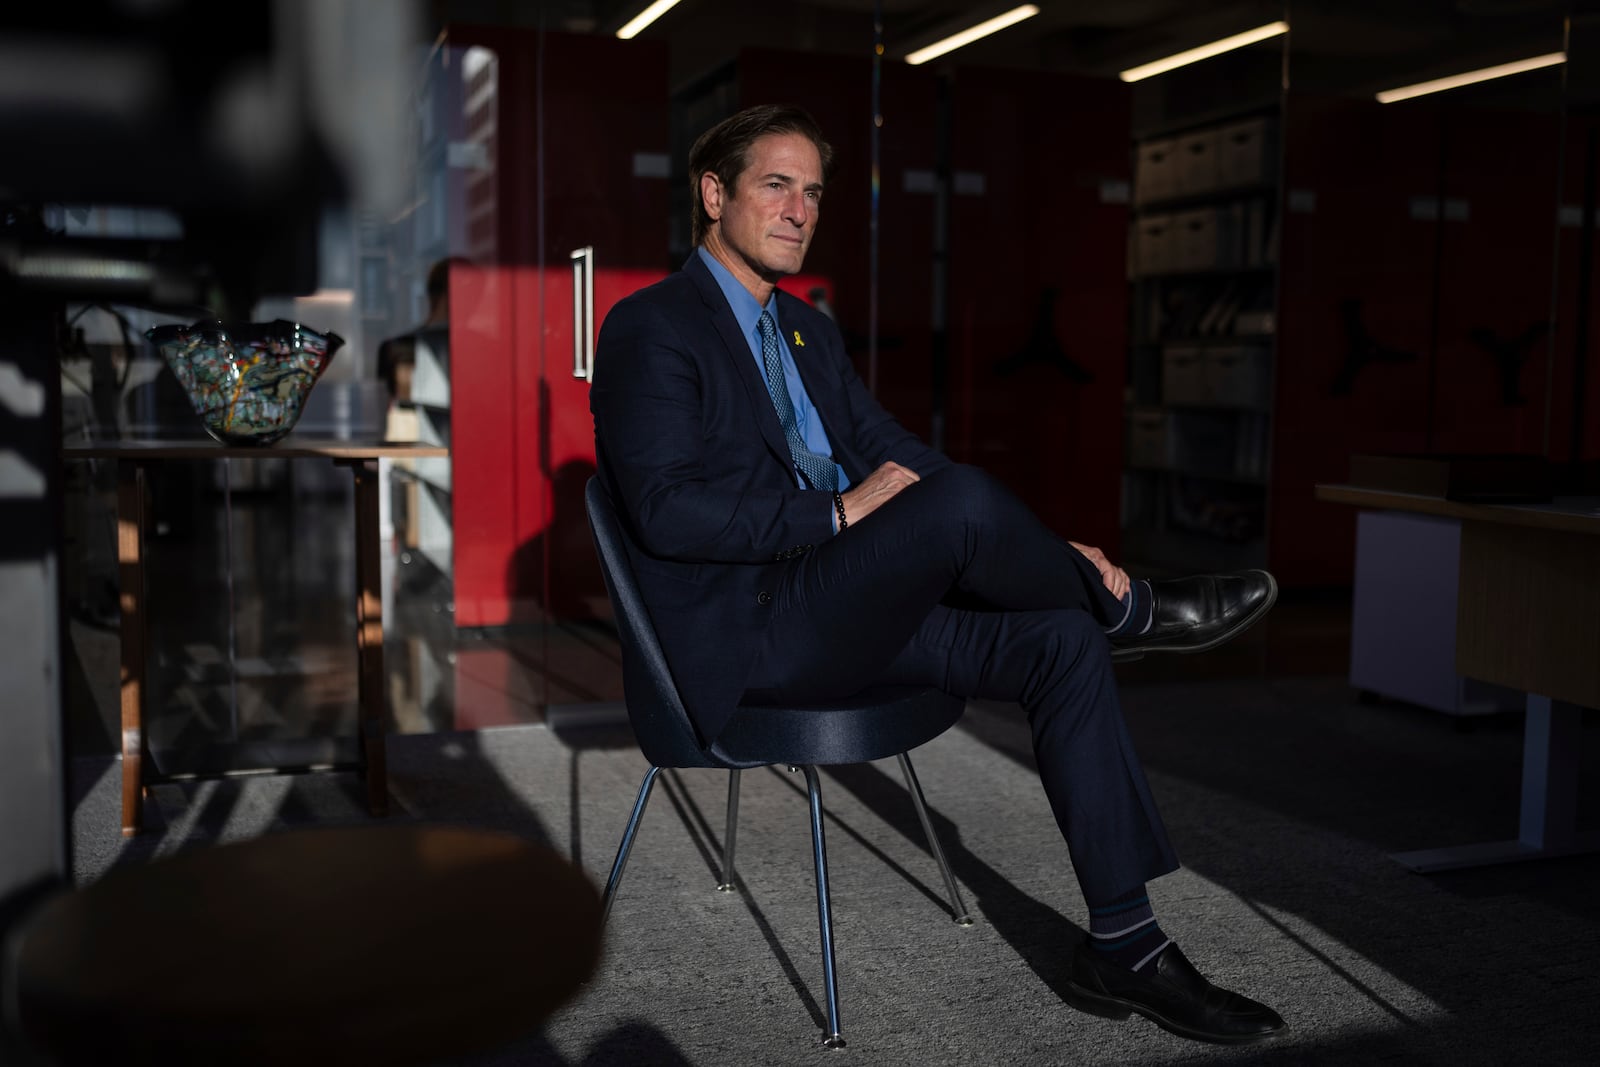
(1124, 930)
(1140, 602)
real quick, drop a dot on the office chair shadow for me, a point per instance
(1040, 935)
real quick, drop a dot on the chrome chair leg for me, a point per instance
(623, 849)
(727, 838)
(833, 1038)
(958, 907)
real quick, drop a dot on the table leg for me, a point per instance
(1550, 747)
(130, 567)
(369, 636)
(1548, 824)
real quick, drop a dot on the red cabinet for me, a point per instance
(1354, 323)
(1582, 170)
(1415, 289)
(1038, 290)
(1497, 235)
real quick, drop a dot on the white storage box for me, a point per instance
(1155, 170)
(1155, 244)
(1183, 376)
(1196, 240)
(1197, 162)
(1244, 153)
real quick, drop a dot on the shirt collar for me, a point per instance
(745, 309)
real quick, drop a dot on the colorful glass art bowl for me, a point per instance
(248, 381)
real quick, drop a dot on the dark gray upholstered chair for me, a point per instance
(873, 726)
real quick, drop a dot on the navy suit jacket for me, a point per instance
(689, 446)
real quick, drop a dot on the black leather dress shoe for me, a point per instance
(1171, 994)
(1194, 614)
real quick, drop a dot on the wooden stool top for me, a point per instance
(376, 944)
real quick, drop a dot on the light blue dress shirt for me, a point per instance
(748, 314)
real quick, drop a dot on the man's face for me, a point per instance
(765, 223)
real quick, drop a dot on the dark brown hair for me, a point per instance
(724, 150)
(439, 275)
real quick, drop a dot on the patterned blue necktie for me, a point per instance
(819, 471)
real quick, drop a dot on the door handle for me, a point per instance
(583, 312)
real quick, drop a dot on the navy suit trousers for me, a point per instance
(955, 584)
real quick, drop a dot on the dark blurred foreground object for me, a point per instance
(243, 119)
(367, 945)
(248, 381)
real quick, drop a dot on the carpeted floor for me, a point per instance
(1283, 798)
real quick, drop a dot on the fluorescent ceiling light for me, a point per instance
(1456, 81)
(1205, 51)
(972, 33)
(644, 18)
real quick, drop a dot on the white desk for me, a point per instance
(1527, 617)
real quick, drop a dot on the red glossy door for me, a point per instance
(572, 155)
(580, 162)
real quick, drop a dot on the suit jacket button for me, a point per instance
(763, 597)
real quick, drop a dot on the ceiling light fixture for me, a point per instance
(1456, 81)
(636, 25)
(1205, 51)
(972, 33)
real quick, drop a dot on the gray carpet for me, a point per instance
(1282, 797)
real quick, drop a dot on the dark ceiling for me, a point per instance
(1353, 46)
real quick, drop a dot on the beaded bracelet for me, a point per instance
(838, 505)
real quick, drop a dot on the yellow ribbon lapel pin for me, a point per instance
(797, 342)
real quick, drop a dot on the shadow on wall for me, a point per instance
(557, 567)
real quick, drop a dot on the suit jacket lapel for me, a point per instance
(744, 365)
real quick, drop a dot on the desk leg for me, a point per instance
(1549, 821)
(1550, 773)
(369, 636)
(130, 567)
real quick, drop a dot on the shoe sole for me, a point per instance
(1115, 1008)
(1132, 655)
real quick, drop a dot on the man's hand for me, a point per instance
(1115, 577)
(862, 500)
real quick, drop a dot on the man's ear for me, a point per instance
(711, 195)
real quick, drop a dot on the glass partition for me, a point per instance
(1161, 312)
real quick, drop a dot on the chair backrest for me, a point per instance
(665, 734)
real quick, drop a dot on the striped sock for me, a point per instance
(1139, 602)
(1124, 930)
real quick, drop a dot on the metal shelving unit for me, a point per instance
(1203, 283)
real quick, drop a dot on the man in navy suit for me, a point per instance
(794, 543)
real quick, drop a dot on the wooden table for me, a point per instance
(1527, 617)
(134, 458)
(389, 943)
